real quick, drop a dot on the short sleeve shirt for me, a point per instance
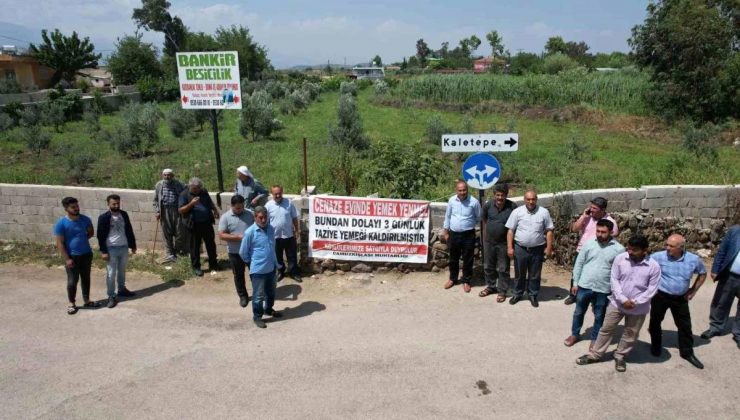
(74, 234)
(530, 227)
(676, 273)
(281, 217)
(496, 220)
(231, 223)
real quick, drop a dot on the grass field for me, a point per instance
(552, 156)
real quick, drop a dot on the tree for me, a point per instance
(422, 52)
(348, 132)
(65, 54)
(556, 45)
(376, 61)
(692, 48)
(258, 116)
(496, 43)
(253, 59)
(132, 60)
(524, 63)
(474, 42)
(578, 51)
(138, 131)
(199, 41)
(404, 64)
(154, 16)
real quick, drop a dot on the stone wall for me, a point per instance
(701, 212)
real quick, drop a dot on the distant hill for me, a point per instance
(18, 35)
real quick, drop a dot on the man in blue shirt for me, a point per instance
(677, 266)
(72, 233)
(197, 208)
(726, 272)
(284, 219)
(461, 218)
(258, 252)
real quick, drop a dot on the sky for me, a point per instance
(346, 31)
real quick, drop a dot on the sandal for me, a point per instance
(91, 304)
(500, 298)
(71, 310)
(485, 292)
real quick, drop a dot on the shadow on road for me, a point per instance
(304, 309)
(552, 293)
(288, 292)
(148, 291)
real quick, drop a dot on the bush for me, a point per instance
(9, 86)
(156, 89)
(313, 89)
(137, 133)
(35, 139)
(381, 88)
(555, 63)
(277, 89)
(92, 123)
(524, 63)
(29, 116)
(348, 88)
(699, 141)
(300, 99)
(348, 132)
(14, 110)
(83, 85)
(180, 120)
(258, 117)
(286, 107)
(345, 173)
(98, 104)
(53, 114)
(332, 84)
(435, 129)
(78, 162)
(363, 84)
(6, 123)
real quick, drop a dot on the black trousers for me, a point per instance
(237, 267)
(461, 244)
(289, 247)
(202, 232)
(679, 307)
(80, 271)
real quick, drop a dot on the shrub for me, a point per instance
(29, 116)
(555, 63)
(9, 86)
(381, 88)
(435, 129)
(78, 162)
(35, 139)
(332, 84)
(258, 117)
(202, 116)
(83, 85)
(345, 173)
(13, 110)
(6, 123)
(276, 89)
(363, 84)
(348, 88)
(348, 132)
(157, 89)
(286, 107)
(180, 120)
(300, 99)
(699, 141)
(53, 114)
(98, 104)
(91, 120)
(313, 89)
(137, 133)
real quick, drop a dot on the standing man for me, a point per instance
(72, 233)
(248, 187)
(726, 272)
(496, 261)
(461, 218)
(585, 225)
(231, 228)
(591, 275)
(634, 282)
(677, 266)
(166, 194)
(529, 240)
(199, 212)
(284, 220)
(115, 237)
(258, 252)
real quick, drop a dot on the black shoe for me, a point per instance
(274, 314)
(570, 300)
(296, 278)
(260, 323)
(620, 365)
(533, 301)
(709, 334)
(656, 351)
(280, 276)
(112, 302)
(243, 301)
(586, 359)
(125, 293)
(198, 272)
(694, 361)
(514, 300)
(738, 344)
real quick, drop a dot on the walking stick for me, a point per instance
(154, 244)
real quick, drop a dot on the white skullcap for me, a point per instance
(167, 171)
(244, 171)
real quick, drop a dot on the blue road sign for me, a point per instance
(481, 171)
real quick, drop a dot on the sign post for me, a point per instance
(210, 80)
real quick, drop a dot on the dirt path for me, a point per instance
(387, 346)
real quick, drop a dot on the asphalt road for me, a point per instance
(389, 346)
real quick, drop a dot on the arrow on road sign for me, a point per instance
(511, 142)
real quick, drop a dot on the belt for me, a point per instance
(465, 232)
(530, 248)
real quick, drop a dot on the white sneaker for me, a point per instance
(169, 259)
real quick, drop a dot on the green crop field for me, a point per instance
(552, 156)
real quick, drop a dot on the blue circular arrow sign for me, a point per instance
(481, 171)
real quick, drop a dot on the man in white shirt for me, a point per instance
(284, 219)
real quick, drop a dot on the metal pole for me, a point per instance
(481, 197)
(305, 165)
(214, 124)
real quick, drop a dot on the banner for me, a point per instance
(209, 80)
(368, 229)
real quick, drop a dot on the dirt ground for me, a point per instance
(351, 346)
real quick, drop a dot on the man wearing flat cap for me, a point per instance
(249, 188)
(166, 193)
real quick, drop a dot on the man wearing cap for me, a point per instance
(166, 193)
(248, 187)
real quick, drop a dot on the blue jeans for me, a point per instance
(263, 293)
(598, 301)
(117, 259)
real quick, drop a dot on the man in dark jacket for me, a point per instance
(726, 272)
(197, 208)
(115, 237)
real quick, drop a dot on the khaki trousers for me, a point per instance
(632, 326)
